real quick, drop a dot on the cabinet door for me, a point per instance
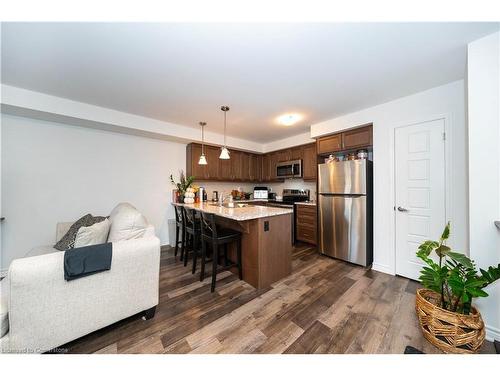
(199, 172)
(255, 162)
(283, 155)
(309, 162)
(212, 167)
(297, 153)
(361, 137)
(266, 167)
(236, 165)
(224, 172)
(331, 143)
(244, 171)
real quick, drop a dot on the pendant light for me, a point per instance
(203, 159)
(224, 152)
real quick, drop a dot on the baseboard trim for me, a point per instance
(492, 333)
(382, 268)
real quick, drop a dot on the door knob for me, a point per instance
(402, 209)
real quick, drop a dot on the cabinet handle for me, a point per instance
(402, 209)
(497, 224)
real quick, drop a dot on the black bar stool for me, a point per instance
(214, 236)
(179, 226)
(192, 225)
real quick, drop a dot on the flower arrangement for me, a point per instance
(183, 185)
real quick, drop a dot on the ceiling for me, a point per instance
(183, 73)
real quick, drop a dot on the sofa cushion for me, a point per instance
(4, 306)
(93, 235)
(40, 250)
(68, 240)
(126, 223)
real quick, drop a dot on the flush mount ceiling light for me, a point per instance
(224, 152)
(289, 119)
(203, 159)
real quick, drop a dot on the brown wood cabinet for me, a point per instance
(306, 223)
(255, 163)
(247, 166)
(266, 167)
(349, 140)
(331, 143)
(309, 162)
(356, 138)
(212, 168)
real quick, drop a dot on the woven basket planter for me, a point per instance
(451, 332)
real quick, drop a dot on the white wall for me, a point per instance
(26, 103)
(447, 100)
(295, 140)
(53, 172)
(484, 166)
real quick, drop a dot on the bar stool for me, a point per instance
(214, 236)
(192, 225)
(179, 226)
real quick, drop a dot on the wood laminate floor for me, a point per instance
(324, 306)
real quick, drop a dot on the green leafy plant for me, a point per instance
(184, 182)
(454, 277)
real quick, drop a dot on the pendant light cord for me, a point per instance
(225, 128)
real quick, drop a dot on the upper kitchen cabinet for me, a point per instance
(346, 141)
(239, 162)
(297, 153)
(242, 166)
(309, 162)
(331, 143)
(283, 155)
(255, 162)
(266, 167)
(356, 138)
(193, 153)
(212, 167)
(225, 168)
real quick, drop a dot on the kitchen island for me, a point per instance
(266, 239)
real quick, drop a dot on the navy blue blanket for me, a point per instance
(87, 260)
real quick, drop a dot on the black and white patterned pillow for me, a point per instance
(68, 240)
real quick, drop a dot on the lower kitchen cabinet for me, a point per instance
(306, 223)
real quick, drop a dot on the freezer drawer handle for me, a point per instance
(402, 209)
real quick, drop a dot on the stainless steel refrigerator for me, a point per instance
(345, 209)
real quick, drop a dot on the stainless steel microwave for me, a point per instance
(289, 169)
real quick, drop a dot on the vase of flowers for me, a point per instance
(444, 308)
(182, 186)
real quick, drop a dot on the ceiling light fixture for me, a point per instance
(224, 152)
(203, 159)
(289, 119)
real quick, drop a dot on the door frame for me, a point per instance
(448, 163)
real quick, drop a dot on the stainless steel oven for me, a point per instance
(289, 169)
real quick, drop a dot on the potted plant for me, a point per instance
(444, 308)
(183, 184)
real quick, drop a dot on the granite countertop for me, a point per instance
(306, 203)
(238, 213)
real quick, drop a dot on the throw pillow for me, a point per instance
(93, 235)
(68, 240)
(126, 223)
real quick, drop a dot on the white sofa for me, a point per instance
(45, 311)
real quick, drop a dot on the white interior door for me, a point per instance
(420, 191)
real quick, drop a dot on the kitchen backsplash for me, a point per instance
(277, 187)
